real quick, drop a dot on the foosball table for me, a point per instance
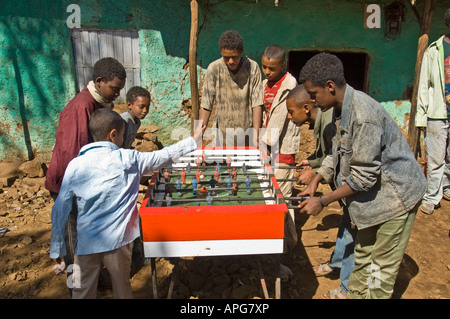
(214, 201)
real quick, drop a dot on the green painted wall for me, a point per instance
(323, 25)
(38, 74)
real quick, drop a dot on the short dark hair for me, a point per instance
(231, 40)
(103, 121)
(274, 52)
(107, 69)
(321, 68)
(447, 18)
(299, 95)
(136, 91)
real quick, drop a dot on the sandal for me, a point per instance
(337, 293)
(323, 269)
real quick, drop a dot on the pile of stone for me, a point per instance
(146, 139)
(24, 187)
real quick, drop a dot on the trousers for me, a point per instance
(437, 148)
(378, 253)
(342, 257)
(87, 270)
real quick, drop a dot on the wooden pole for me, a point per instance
(425, 25)
(193, 63)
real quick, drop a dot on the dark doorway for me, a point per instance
(355, 66)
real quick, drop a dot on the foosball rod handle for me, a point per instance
(299, 198)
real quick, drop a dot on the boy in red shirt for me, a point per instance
(72, 132)
(282, 137)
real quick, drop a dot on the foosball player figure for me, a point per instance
(229, 181)
(183, 176)
(235, 189)
(168, 190)
(203, 191)
(228, 162)
(218, 167)
(244, 168)
(248, 182)
(213, 183)
(178, 183)
(234, 174)
(203, 158)
(199, 161)
(166, 175)
(198, 175)
(168, 200)
(188, 168)
(194, 186)
(209, 200)
(216, 175)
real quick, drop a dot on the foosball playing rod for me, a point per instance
(216, 199)
(223, 169)
(243, 181)
(210, 156)
(212, 174)
(226, 199)
(209, 189)
(301, 198)
(213, 167)
(289, 167)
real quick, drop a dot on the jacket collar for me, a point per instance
(346, 107)
(282, 91)
(439, 41)
(97, 145)
(284, 84)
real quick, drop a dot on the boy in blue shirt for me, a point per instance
(104, 181)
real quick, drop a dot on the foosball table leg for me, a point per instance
(154, 278)
(173, 278)
(278, 279)
(263, 281)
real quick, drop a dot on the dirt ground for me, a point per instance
(25, 266)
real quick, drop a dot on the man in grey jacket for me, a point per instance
(375, 174)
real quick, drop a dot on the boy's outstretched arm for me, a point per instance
(149, 161)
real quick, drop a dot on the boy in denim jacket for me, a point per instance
(375, 174)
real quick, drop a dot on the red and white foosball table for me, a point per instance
(214, 201)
